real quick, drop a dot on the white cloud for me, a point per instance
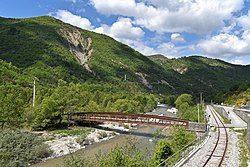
(122, 29)
(244, 21)
(167, 49)
(177, 38)
(74, 1)
(75, 20)
(109, 7)
(142, 48)
(246, 36)
(237, 61)
(200, 16)
(226, 46)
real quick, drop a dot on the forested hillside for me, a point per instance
(238, 95)
(79, 70)
(196, 74)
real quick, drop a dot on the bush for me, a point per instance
(184, 98)
(181, 137)
(127, 156)
(162, 151)
(74, 161)
(18, 149)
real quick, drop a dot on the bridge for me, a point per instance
(145, 119)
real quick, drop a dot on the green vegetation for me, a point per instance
(197, 74)
(225, 120)
(244, 149)
(39, 47)
(162, 151)
(126, 156)
(238, 95)
(42, 50)
(130, 155)
(83, 131)
(51, 103)
(165, 148)
(180, 137)
(184, 101)
(18, 149)
(186, 108)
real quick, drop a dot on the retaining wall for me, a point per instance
(222, 111)
(245, 116)
(198, 127)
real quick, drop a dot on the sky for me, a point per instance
(174, 28)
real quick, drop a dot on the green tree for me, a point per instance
(181, 137)
(92, 106)
(162, 151)
(127, 106)
(184, 98)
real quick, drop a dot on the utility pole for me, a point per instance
(201, 101)
(198, 113)
(34, 93)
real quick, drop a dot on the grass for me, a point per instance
(244, 150)
(225, 120)
(73, 131)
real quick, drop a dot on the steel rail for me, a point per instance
(215, 115)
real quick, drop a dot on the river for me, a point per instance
(142, 135)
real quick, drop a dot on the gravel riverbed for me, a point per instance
(62, 144)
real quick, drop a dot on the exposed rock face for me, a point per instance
(144, 80)
(166, 83)
(79, 46)
(181, 70)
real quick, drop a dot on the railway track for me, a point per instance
(217, 156)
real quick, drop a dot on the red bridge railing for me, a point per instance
(146, 119)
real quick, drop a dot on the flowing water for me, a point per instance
(142, 136)
(146, 133)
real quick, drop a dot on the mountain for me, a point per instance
(238, 95)
(51, 50)
(195, 73)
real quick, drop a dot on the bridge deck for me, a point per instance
(146, 119)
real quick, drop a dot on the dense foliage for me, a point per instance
(184, 100)
(196, 74)
(18, 149)
(162, 151)
(238, 95)
(36, 47)
(53, 101)
(186, 108)
(180, 137)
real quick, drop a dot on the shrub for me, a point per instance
(162, 151)
(18, 149)
(127, 156)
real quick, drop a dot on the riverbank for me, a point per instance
(63, 142)
(142, 135)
